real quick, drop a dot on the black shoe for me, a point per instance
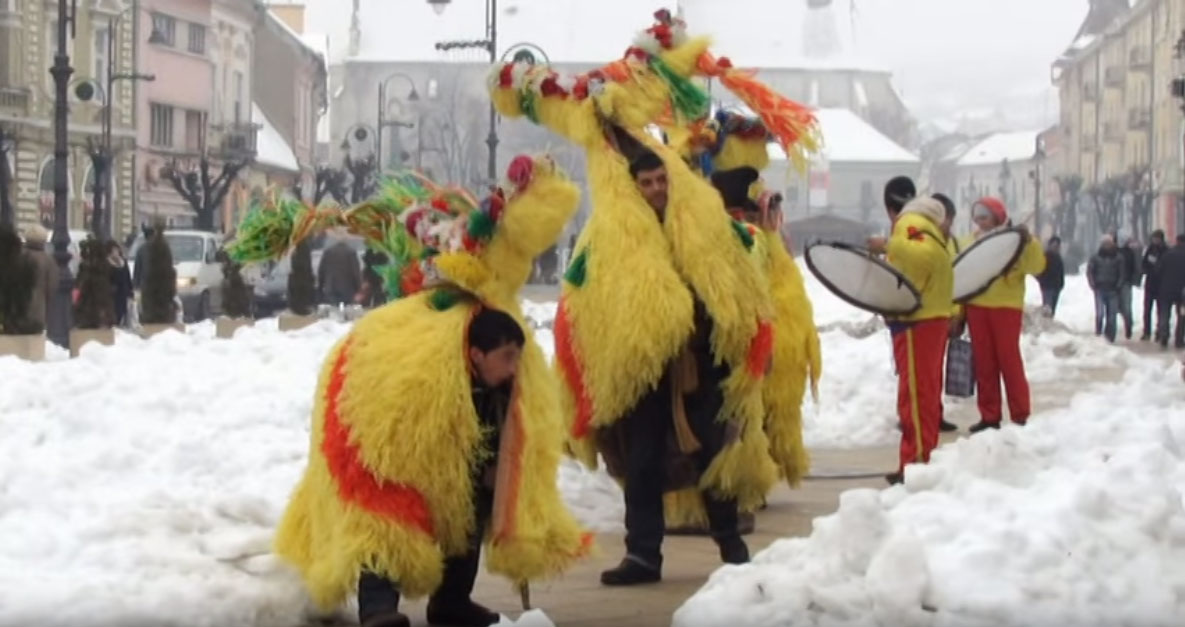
(981, 425)
(734, 551)
(390, 619)
(1145, 337)
(630, 572)
(462, 613)
(1020, 423)
(895, 478)
(947, 427)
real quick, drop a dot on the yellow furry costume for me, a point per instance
(387, 488)
(627, 305)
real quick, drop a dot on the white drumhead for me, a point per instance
(985, 261)
(862, 280)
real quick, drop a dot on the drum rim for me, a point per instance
(831, 287)
(962, 300)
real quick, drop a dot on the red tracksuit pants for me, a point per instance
(995, 349)
(919, 349)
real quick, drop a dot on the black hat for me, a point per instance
(898, 192)
(734, 185)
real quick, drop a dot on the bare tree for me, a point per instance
(201, 187)
(1108, 202)
(1066, 212)
(1143, 195)
(331, 182)
(453, 130)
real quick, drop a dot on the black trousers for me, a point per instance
(1165, 309)
(647, 431)
(377, 595)
(1151, 301)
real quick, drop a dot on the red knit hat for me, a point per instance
(996, 206)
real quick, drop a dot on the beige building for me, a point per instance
(1117, 110)
(28, 43)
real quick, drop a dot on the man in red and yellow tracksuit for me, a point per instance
(917, 249)
(994, 319)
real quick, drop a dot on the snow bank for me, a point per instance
(140, 484)
(1076, 519)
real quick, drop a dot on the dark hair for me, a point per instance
(1181, 238)
(492, 329)
(947, 204)
(645, 162)
(1158, 233)
(899, 191)
(1055, 240)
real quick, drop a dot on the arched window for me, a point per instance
(45, 191)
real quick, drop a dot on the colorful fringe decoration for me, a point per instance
(687, 99)
(577, 270)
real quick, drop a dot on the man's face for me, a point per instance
(652, 184)
(1055, 246)
(1158, 240)
(497, 366)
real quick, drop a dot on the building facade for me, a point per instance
(1118, 116)
(28, 44)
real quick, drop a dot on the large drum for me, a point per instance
(862, 280)
(992, 255)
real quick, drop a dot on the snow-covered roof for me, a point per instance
(995, 148)
(753, 33)
(296, 37)
(270, 147)
(320, 43)
(848, 138)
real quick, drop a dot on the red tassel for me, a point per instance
(565, 352)
(761, 349)
(355, 483)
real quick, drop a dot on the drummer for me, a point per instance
(994, 319)
(917, 249)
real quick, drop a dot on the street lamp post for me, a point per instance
(360, 170)
(103, 164)
(413, 96)
(7, 144)
(1178, 88)
(59, 320)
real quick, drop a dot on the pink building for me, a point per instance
(173, 111)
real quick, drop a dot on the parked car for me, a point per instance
(270, 292)
(199, 275)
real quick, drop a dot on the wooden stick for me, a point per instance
(524, 591)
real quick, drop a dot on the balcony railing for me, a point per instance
(1140, 58)
(14, 100)
(240, 140)
(1139, 119)
(1114, 76)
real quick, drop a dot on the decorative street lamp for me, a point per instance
(412, 96)
(59, 319)
(1178, 88)
(364, 168)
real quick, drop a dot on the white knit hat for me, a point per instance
(928, 207)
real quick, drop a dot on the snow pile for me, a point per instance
(1076, 519)
(533, 618)
(141, 483)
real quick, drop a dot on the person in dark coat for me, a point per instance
(141, 261)
(1053, 279)
(339, 275)
(121, 282)
(1171, 271)
(1152, 254)
(1130, 253)
(373, 291)
(1106, 272)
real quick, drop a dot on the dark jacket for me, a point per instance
(1149, 265)
(1106, 271)
(1131, 269)
(491, 404)
(121, 289)
(45, 282)
(1054, 276)
(1171, 269)
(339, 275)
(141, 267)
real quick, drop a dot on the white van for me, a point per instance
(199, 275)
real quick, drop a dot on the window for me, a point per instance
(195, 123)
(164, 29)
(101, 58)
(197, 39)
(238, 97)
(162, 126)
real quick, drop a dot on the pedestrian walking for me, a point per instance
(1053, 279)
(1106, 272)
(1151, 270)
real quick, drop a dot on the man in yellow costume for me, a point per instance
(664, 330)
(435, 425)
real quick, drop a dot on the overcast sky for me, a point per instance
(950, 58)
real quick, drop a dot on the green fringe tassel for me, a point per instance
(743, 232)
(528, 103)
(443, 299)
(578, 270)
(481, 227)
(687, 99)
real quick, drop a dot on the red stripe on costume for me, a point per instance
(761, 349)
(565, 352)
(355, 483)
(511, 454)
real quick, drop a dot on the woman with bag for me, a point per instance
(958, 357)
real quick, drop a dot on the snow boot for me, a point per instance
(734, 551)
(389, 619)
(463, 613)
(630, 572)
(895, 478)
(982, 425)
(947, 427)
